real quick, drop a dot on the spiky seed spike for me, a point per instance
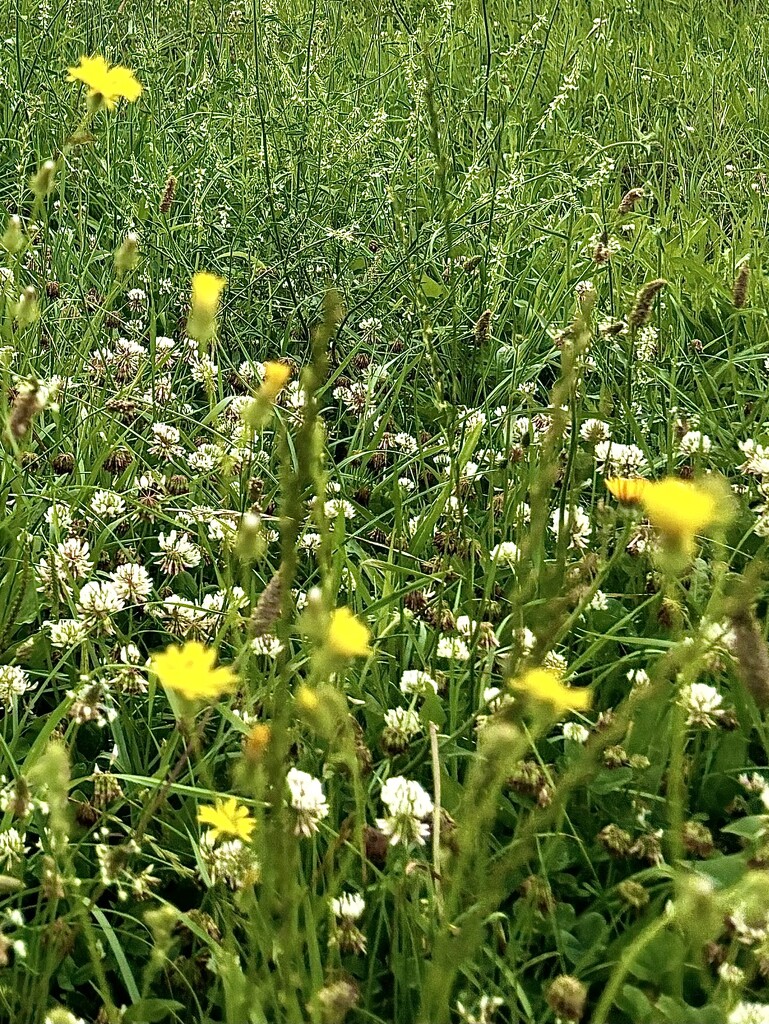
(268, 607)
(752, 656)
(481, 332)
(169, 191)
(629, 200)
(741, 282)
(643, 303)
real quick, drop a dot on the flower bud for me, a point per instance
(27, 308)
(13, 237)
(42, 182)
(127, 255)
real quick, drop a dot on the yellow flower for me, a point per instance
(206, 296)
(679, 509)
(276, 377)
(227, 818)
(106, 85)
(347, 637)
(627, 490)
(544, 685)
(207, 293)
(190, 671)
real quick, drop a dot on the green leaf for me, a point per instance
(431, 289)
(148, 1011)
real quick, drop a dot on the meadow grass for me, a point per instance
(336, 683)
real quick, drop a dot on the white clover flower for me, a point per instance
(132, 582)
(749, 1013)
(639, 679)
(348, 906)
(307, 799)
(205, 371)
(232, 862)
(756, 458)
(620, 459)
(593, 431)
(694, 442)
(599, 602)
(14, 681)
(525, 639)
(577, 523)
(267, 644)
(137, 300)
(182, 617)
(177, 553)
(334, 506)
(66, 632)
(206, 458)
(731, 974)
(702, 704)
(12, 847)
(72, 558)
(408, 805)
(466, 626)
(414, 681)
(59, 515)
(97, 604)
(557, 662)
(454, 648)
(310, 541)
(107, 505)
(402, 723)
(165, 441)
(576, 732)
(62, 1016)
(506, 553)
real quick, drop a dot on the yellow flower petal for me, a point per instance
(206, 293)
(347, 637)
(190, 671)
(545, 686)
(680, 509)
(627, 490)
(227, 818)
(106, 84)
(276, 376)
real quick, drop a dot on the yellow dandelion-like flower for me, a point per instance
(106, 85)
(189, 670)
(545, 686)
(276, 377)
(679, 509)
(204, 305)
(627, 490)
(207, 293)
(227, 818)
(347, 637)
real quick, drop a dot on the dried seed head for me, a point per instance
(698, 839)
(178, 484)
(741, 282)
(633, 894)
(268, 607)
(751, 655)
(615, 840)
(118, 460)
(29, 401)
(642, 309)
(169, 191)
(63, 463)
(482, 326)
(53, 289)
(566, 997)
(629, 201)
